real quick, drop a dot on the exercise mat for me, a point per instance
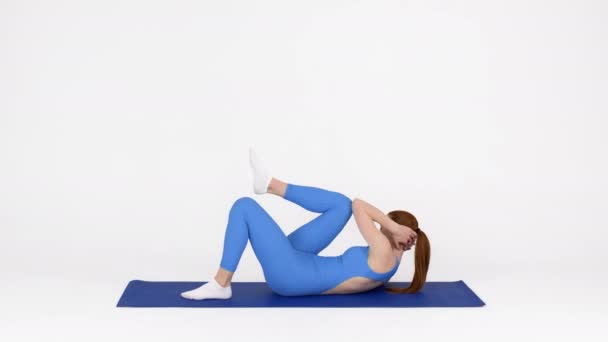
(149, 294)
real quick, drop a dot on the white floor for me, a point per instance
(546, 303)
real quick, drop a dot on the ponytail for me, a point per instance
(422, 253)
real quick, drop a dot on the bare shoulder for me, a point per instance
(381, 262)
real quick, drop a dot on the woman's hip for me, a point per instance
(295, 277)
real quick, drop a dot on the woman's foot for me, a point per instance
(209, 290)
(261, 177)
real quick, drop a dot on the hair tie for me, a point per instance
(417, 230)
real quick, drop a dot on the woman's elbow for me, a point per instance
(357, 204)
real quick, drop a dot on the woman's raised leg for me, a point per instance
(335, 209)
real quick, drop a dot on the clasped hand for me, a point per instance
(404, 236)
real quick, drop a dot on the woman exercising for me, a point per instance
(291, 264)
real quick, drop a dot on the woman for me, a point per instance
(291, 264)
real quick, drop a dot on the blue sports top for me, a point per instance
(352, 263)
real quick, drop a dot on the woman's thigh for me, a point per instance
(284, 267)
(316, 235)
(287, 271)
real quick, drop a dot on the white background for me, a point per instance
(124, 128)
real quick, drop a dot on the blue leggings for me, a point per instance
(289, 263)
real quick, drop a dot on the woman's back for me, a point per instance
(350, 272)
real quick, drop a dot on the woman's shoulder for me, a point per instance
(382, 263)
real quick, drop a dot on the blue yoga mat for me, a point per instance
(149, 294)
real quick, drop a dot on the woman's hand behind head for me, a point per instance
(404, 236)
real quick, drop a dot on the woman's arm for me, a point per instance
(365, 215)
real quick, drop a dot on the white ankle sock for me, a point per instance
(261, 176)
(209, 290)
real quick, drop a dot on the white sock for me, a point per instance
(209, 290)
(261, 176)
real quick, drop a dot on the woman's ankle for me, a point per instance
(277, 187)
(223, 277)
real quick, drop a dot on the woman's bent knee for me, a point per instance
(245, 200)
(243, 203)
(345, 204)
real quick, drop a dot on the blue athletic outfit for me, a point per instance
(291, 264)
